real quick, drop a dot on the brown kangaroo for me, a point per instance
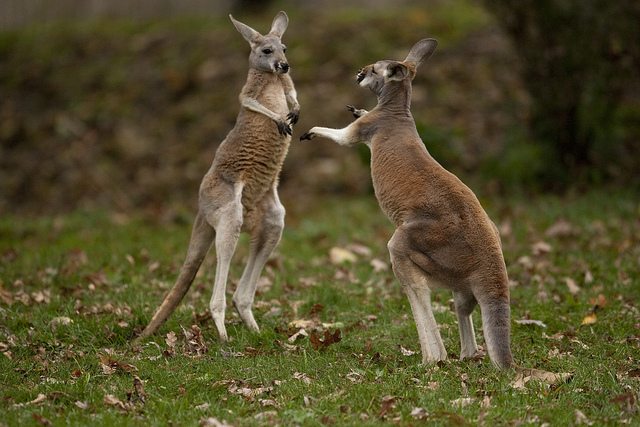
(239, 192)
(443, 239)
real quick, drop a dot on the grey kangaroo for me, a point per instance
(443, 237)
(239, 192)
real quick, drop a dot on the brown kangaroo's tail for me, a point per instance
(202, 236)
(496, 315)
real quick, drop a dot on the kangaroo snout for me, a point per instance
(282, 67)
(361, 75)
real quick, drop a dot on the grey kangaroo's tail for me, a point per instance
(496, 316)
(202, 236)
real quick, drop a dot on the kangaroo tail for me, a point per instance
(202, 236)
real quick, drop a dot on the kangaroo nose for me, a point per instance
(284, 66)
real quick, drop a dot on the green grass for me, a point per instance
(107, 273)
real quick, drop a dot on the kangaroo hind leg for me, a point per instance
(415, 283)
(465, 302)
(265, 234)
(227, 221)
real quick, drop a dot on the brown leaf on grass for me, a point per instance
(598, 302)
(339, 256)
(38, 400)
(41, 420)
(303, 324)
(524, 375)
(461, 402)
(301, 376)
(581, 418)
(419, 413)
(531, 322)
(378, 265)
(561, 228)
(213, 422)
(247, 392)
(589, 319)
(9, 255)
(138, 390)
(540, 248)
(5, 296)
(110, 365)
(406, 351)
(626, 401)
(387, 404)
(60, 321)
(196, 346)
(574, 289)
(294, 337)
(111, 400)
(316, 309)
(329, 338)
(81, 404)
(74, 259)
(268, 402)
(358, 249)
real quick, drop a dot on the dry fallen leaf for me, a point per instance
(41, 420)
(524, 375)
(359, 249)
(378, 265)
(81, 404)
(60, 321)
(302, 377)
(329, 338)
(406, 351)
(202, 407)
(581, 418)
(531, 322)
(339, 255)
(571, 285)
(213, 422)
(461, 402)
(419, 413)
(541, 248)
(303, 324)
(561, 228)
(111, 400)
(138, 389)
(387, 404)
(589, 319)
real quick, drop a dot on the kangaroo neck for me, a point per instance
(395, 97)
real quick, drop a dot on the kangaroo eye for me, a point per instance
(284, 49)
(267, 51)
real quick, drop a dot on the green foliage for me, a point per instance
(579, 62)
(106, 273)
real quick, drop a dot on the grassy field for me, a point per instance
(76, 288)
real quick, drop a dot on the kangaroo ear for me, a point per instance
(396, 71)
(249, 34)
(279, 25)
(421, 51)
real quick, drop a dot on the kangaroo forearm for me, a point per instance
(344, 136)
(253, 105)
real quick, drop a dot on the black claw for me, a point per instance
(284, 128)
(293, 117)
(306, 135)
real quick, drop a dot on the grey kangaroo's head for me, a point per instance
(378, 75)
(267, 52)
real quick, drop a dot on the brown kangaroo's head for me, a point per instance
(382, 73)
(267, 52)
